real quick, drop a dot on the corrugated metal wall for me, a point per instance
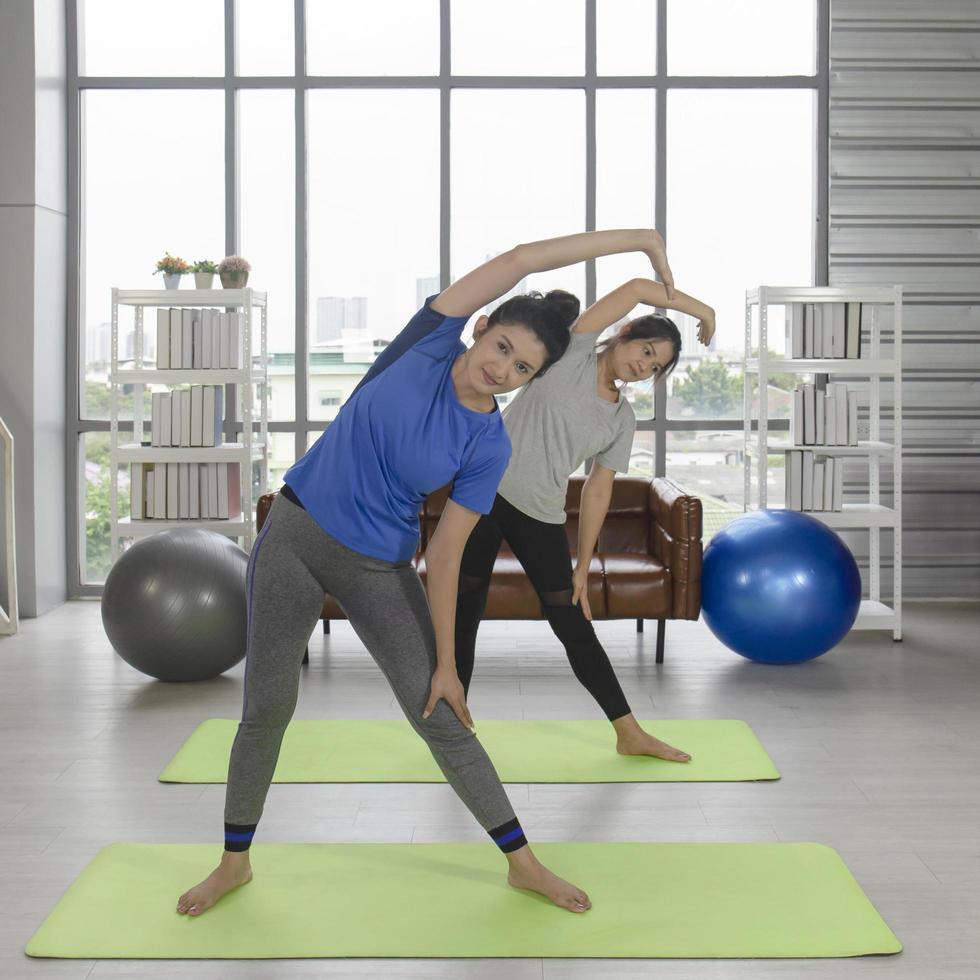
(905, 208)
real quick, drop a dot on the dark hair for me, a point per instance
(550, 317)
(650, 327)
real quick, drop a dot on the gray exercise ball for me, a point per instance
(174, 604)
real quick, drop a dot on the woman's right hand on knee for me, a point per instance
(446, 686)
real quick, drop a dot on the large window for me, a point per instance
(363, 155)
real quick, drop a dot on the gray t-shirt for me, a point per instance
(555, 424)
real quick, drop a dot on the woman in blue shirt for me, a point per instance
(346, 523)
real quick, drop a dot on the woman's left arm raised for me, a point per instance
(618, 304)
(494, 278)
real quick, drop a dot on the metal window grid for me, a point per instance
(301, 83)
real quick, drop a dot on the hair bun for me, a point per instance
(566, 303)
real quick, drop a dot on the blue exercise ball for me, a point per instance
(779, 587)
(174, 604)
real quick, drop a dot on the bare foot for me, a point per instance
(528, 873)
(633, 740)
(233, 871)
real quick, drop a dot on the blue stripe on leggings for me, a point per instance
(507, 838)
(229, 836)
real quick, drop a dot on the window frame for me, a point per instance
(300, 83)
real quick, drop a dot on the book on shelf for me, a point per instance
(176, 339)
(174, 400)
(823, 414)
(173, 491)
(794, 329)
(813, 483)
(830, 421)
(186, 417)
(203, 490)
(809, 414)
(163, 338)
(137, 491)
(236, 346)
(852, 341)
(808, 480)
(160, 490)
(213, 489)
(166, 418)
(823, 330)
(206, 338)
(184, 414)
(197, 415)
(196, 358)
(187, 338)
(155, 399)
(794, 480)
(200, 339)
(216, 338)
(843, 400)
(224, 341)
(229, 496)
(796, 417)
(230, 342)
(211, 415)
(185, 491)
(194, 492)
(839, 331)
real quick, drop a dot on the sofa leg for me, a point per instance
(306, 656)
(326, 626)
(639, 626)
(661, 631)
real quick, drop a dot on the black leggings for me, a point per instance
(542, 549)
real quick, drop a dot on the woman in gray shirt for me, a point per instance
(575, 412)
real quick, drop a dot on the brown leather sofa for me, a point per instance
(647, 563)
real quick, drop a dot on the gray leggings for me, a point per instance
(292, 564)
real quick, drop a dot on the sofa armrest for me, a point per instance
(676, 534)
(262, 509)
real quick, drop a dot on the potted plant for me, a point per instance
(172, 267)
(233, 270)
(204, 271)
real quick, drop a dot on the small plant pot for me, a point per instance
(203, 280)
(234, 280)
(171, 281)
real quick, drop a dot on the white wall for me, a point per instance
(33, 267)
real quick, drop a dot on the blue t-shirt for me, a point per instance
(402, 434)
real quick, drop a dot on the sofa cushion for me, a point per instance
(638, 586)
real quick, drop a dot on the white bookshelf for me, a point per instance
(251, 450)
(870, 515)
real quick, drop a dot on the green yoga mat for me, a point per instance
(451, 900)
(317, 751)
